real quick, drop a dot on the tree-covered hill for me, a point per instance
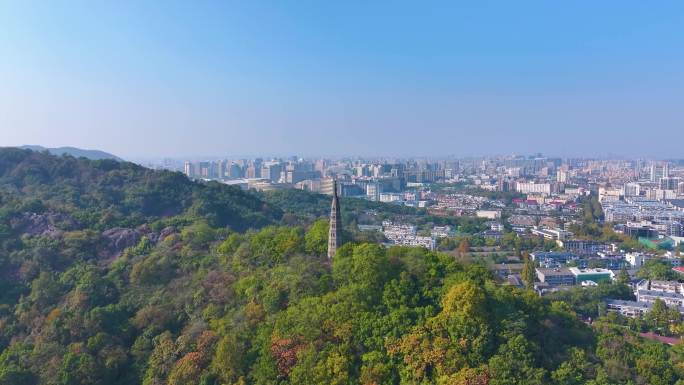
(58, 210)
(73, 151)
(105, 193)
(199, 300)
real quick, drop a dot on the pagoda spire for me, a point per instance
(335, 231)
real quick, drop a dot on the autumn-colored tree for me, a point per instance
(458, 337)
(467, 376)
(187, 370)
(463, 246)
(284, 351)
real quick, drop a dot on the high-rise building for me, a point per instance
(373, 191)
(562, 176)
(335, 231)
(204, 169)
(658, 172)
(674, 229)
(213, 170)
(327, 186)
(669, 183)
(221, 169)
(271, 171)
(531, 188)
(189, 169)
(631, 190)
(252, 172)
(235, 171)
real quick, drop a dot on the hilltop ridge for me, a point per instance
(73, 151)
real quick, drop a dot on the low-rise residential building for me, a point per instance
(552, 234)
(609, 262)
(391, 229)
(582, 247)
(522, 220)
(670, 299)
(647, 292)
(492, 234)
(370, 228)
(489, 214)
(495, 226)
(662, 286)
(550, 259)
(405, 235)
(415, 240)
(632, 309)
(505, 269)
(441, 231)
(594, 275)
(556, 277)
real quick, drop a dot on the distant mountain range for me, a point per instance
(75, 152)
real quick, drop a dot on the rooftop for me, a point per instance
(641, 305)
(577, 271)
(556, 271)
(657, 293)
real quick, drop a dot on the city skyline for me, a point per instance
(397, 79)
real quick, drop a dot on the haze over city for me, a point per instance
(140, 80)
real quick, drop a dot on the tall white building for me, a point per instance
(189, 169)
(373, 191)
(632, 189)
(533, 188)
(635, 259)
(562, 176)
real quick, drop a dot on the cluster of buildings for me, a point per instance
(376, 176)
(461, 203)
(588, 263)
(547, 186)
(406, 235)
(356, 177)
(559, 270)
(275, 171)
(530, 175)
(541, 197)
(648, 206)
(647, 292)
(644, 217)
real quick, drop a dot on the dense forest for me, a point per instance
(116, 274)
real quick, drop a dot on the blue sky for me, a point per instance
(148, 79)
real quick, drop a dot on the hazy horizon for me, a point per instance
(400, 79)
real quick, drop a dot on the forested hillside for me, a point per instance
(115, 274)
(106, 193)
